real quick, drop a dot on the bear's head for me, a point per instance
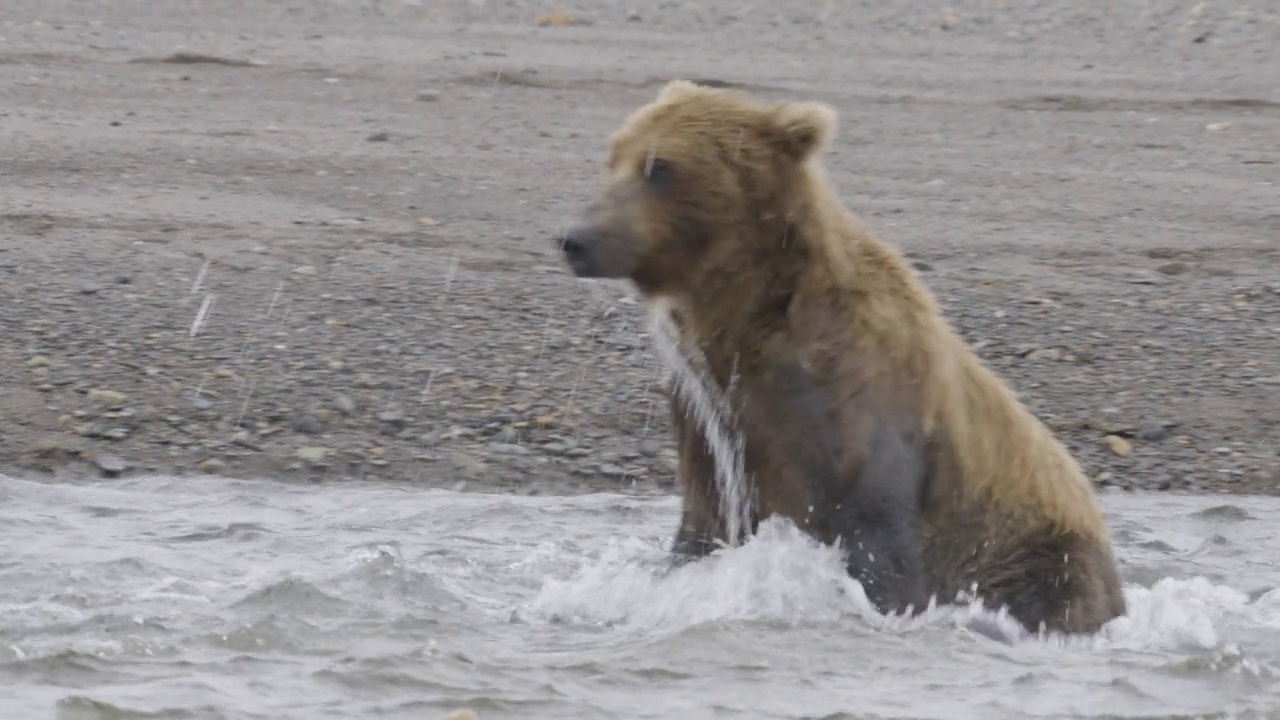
(692, 176)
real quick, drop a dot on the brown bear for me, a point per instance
(859, 413)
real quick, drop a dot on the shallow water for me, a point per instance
(212, 598)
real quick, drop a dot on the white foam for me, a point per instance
(779, 575)
(782, 576)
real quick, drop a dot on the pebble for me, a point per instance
(553, 448)
(648, 448)
(1143, 277)
(90, 288)
(38, 361)
(463, 714)
(611, 469)
(110, 397)
(1045, 354)
(1152, 431)
(212, 466)
(307, 425)
(110, 465)
(344, 405)
(502, 448)
(394, 418)
(312, 454)
(470, 468)
(305, 270)
(378, 137)
(428, 95)
(1118, 445)
(429, 440)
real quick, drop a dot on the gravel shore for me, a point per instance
(313, 239)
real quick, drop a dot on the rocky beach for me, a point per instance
(315, 239)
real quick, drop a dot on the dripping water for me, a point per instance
(711, 410)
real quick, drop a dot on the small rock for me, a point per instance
(428, 95)
(429, 440)
(1118, 445)
(394, 418)
(1275, 380)
(462, 714)
(1172, 268)
(312, 455)
(378, 137)
(648, 448)
(345, 405)
(611, 470)
(48, 446)
(245, 440)
(200, 403)
(634, 16)
(1045, 354)
(212, 466)
(107, 397)
(90, 289)
(469, 467)
(1217, 127)
(38, 361)
(305, 270)
(390, 430)
(117, 433)
(553, 448)
(307, 425)
(110, 465)
(1152, 431)
(502, 448)
(1142, 277)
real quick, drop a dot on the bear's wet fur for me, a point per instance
(866, 419)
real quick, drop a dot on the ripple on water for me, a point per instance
(216, 598)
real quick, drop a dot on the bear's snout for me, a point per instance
(577, 244)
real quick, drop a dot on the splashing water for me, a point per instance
(202, 597)
(712, 411)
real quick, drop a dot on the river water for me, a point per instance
(205, 597)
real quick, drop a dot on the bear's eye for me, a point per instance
(657, 171)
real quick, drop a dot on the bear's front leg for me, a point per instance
(701, 527)
(878, 518)
(862, 474)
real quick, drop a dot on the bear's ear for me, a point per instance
(803, 128)
(676, 89)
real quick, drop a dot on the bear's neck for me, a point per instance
(739, 307)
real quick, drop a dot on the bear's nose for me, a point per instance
(574, 243)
